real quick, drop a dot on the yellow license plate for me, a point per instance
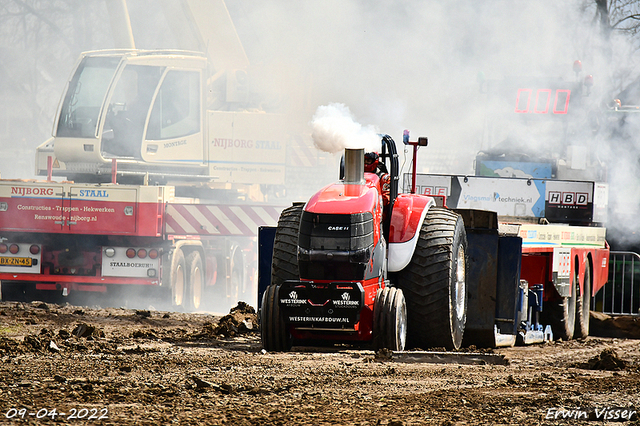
(15, 261)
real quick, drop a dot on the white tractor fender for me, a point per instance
(400, 254)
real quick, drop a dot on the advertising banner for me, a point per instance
(556, 200)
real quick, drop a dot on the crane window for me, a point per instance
(85, 95)
(128, 109)
(176, 112)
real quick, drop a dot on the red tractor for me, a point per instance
(348, 268)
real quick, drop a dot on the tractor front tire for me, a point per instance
(434, 282)
(274, 334)
(390, 320)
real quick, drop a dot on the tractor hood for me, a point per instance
(341, 198)
(355, 193)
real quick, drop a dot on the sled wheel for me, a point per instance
(583, 304)
(434, 283)
(560, 314)
(284, 265)
(274, 334)
(178, 279)
(195, 280)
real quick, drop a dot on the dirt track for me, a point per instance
(148, 367)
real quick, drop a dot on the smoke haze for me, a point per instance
(385, 65)
(333, 129)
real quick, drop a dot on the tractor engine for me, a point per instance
(335, 246)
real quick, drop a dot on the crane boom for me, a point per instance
(120, 24)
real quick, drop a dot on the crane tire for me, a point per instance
(178, 280)
(435, 282)
(274, 334)
(195, 281)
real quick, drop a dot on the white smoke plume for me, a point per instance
(333, 128)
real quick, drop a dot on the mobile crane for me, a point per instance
(168, 167)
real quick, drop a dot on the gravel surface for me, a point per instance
(81, 365)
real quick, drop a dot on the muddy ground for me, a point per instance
(81, 365)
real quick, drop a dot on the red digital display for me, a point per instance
(540, 103)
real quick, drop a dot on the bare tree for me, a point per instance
(41, 40)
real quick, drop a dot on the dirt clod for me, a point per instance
(383, 354)
(87, 331)
(143, 314)
(608, 360)
(242, 308)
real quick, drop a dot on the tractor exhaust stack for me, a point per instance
(354, 165)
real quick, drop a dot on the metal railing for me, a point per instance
(621, 294)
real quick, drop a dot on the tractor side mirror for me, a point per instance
(423, 141)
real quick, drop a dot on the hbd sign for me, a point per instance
(569, 201)
(568, 198)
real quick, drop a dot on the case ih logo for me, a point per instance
(24, 191)
(568, 198)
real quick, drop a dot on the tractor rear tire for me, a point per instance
(434, 282)
(284, 265)
(583, 305)
(390, 320)
(274, 334)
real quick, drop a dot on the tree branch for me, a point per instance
(635, 17)
(44, 19)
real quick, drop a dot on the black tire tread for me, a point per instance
(426, 281)
(385, 322)
(378, 317)
(274, 334)
(389, 323)
(285, 247)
